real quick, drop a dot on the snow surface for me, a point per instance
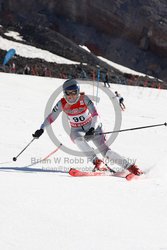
(121, 67)
(40, 209)
(85, 48)
(116, 65)
(29, 51)
(15, 35)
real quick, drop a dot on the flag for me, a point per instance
(8, 56)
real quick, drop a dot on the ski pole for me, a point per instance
(129, 129)
(15, 158)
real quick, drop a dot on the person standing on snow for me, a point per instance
(121, 100)
(106, 81)
(85, 124)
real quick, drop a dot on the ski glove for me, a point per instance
(90, 134)
(38, 133)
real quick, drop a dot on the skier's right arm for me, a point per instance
(49, 119)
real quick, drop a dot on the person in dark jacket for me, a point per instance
(106, 81)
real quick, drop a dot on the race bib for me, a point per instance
(80, 120)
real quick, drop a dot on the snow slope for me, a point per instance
(121, 67)
(43, 209)
(31, 51)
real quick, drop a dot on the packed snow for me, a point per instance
(43, 208)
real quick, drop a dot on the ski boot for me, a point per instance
(134, 170)
(99, 165)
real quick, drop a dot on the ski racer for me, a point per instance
(121, 100)
(84, 121)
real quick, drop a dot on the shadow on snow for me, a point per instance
(29, 169)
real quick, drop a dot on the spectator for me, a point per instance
(83, 74)
(106, 81)
(47, 72)
(13, 68)
(26, 70)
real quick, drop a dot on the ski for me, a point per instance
(131, 176)
(78, 173)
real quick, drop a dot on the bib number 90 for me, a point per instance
(79, 119)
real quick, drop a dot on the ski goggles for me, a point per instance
(71, 92)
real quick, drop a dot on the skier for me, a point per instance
(85, 124)
(121, 101)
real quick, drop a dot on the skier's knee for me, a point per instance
(104, 152)
(79, 139)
